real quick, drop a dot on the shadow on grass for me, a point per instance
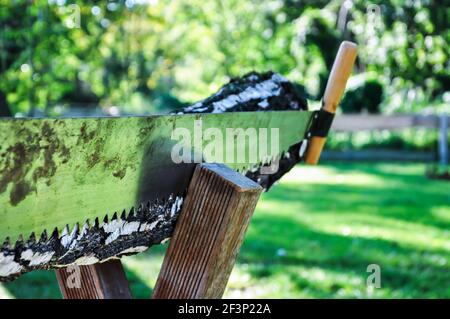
(42, 284)
(407, 198)
(296, 231)
(416, 271)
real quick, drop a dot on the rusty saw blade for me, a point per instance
(82, 190)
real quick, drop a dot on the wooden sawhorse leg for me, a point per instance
(203, 248)
(208, 234)
(100, 281)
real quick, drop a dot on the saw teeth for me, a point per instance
(139, 211)
(85, 228)
(131, 216)
(96, 223)
(133, 212)
(55, 234)
(43, 237)
(31, 239)
(89, 243)
(66, 239)
(6, 243)
(149, 208)
(162, 200)
(19, 243)
(75, 230)
(65, 231)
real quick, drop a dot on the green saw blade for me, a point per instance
(58, 172)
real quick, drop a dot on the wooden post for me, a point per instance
(342, 68)
(100, 281)
(443, 136)
(208, 234)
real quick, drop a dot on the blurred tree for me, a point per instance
(407, 43)
(365, 98)
(150, 55)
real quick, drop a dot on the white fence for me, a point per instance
(355, 123)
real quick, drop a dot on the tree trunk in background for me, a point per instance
(4, 108)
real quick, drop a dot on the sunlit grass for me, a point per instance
(314, 234)
(330, 222)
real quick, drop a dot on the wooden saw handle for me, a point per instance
(340, 72)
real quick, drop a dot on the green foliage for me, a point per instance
(314, 234)
(366, 97)
(407, 43)
(148, 56)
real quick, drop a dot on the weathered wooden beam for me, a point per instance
(370, 122)
(442, 141)
(208, 234)
(99, 281)
(378, 155)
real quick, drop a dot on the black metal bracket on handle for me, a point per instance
(321, 123)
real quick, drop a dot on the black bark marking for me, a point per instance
(288, 98)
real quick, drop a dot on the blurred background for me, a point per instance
(381, 195)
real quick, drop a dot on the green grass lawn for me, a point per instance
(314, 234)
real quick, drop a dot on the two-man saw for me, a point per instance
(83, 190)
